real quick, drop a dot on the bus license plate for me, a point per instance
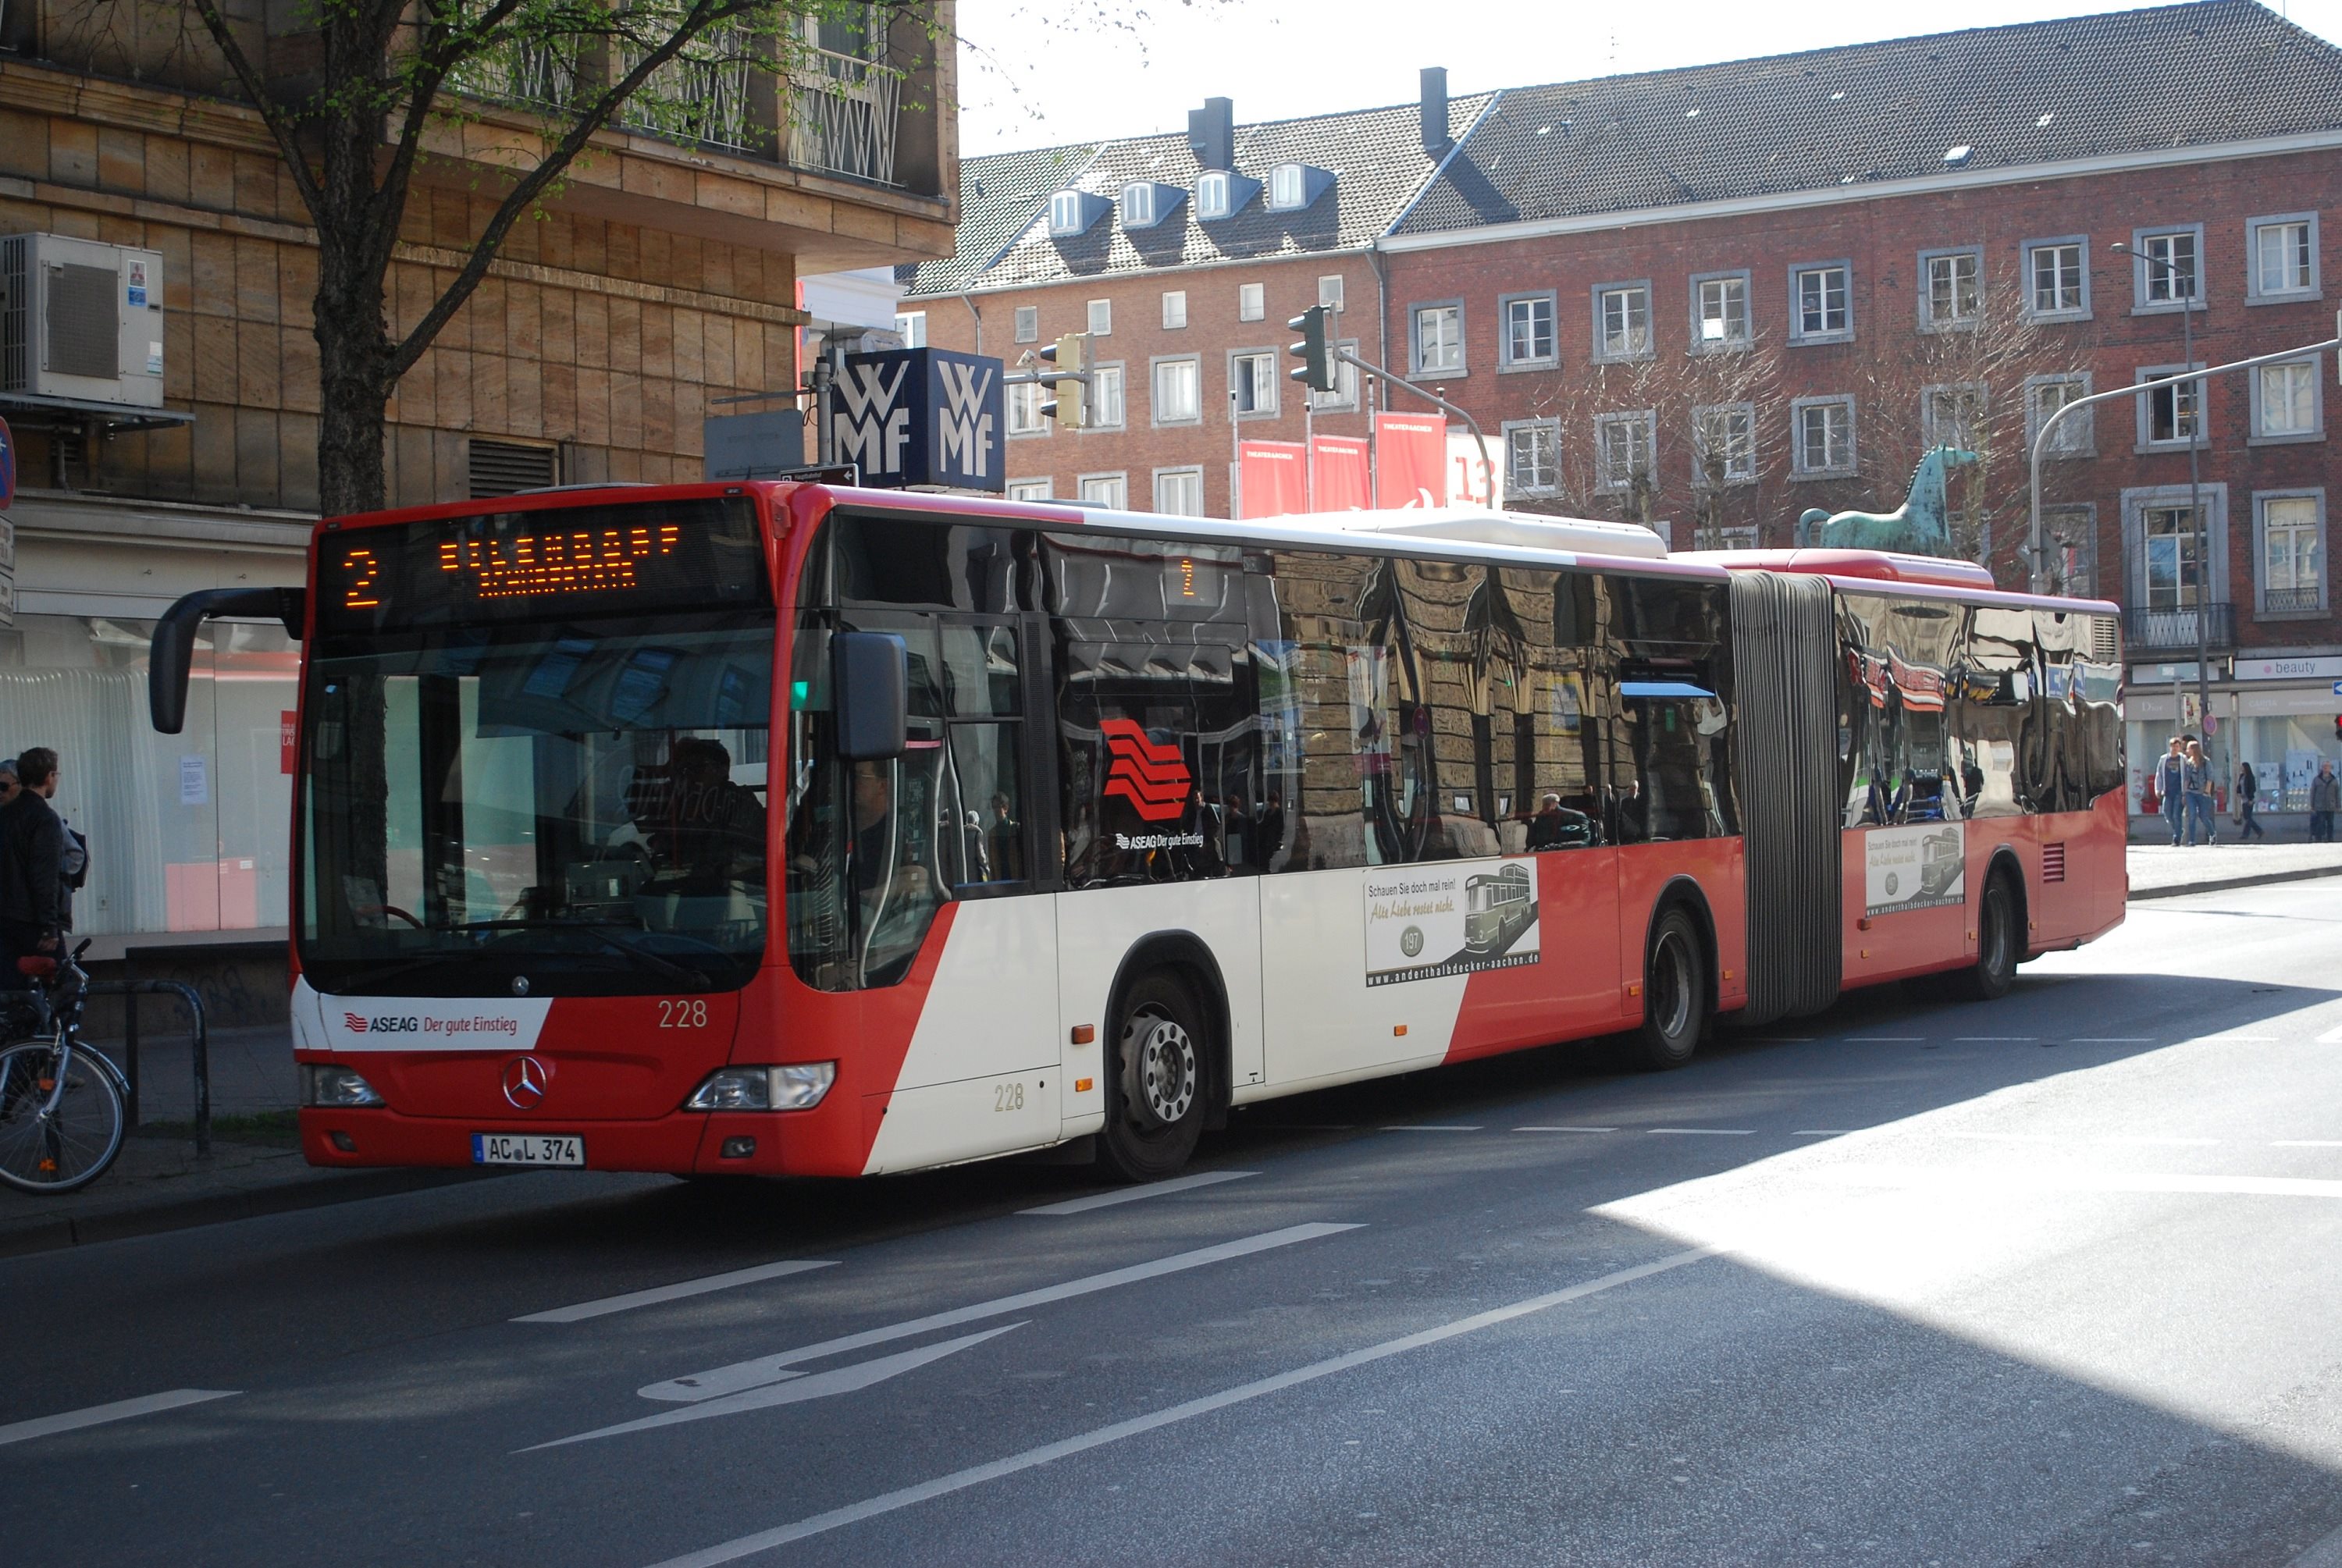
(527, 1149)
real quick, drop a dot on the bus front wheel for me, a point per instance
(1675, 994)
(1156, 1101)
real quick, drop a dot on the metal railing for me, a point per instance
(2291, 601)
(200, 1047)
(2175, 630)
(843, 113)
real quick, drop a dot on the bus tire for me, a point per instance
(1675, 994)
(1998, 937)
(1156, 1096)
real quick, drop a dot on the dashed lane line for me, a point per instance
(1701, 1132)
(676, 1291)
(976, 1475)
(1884, 1039)
(120, 1410)
(1132, 1195)
(1564, 1129)
(1427, 1127)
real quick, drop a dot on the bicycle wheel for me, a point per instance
(53, 1141)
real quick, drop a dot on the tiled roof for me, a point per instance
(1375, 156)
(2038, 93)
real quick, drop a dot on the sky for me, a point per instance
(1038, 74)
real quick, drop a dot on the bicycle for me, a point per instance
(61, 1101)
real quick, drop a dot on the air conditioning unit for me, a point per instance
(81, 320)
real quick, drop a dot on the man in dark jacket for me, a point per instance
(32, 866)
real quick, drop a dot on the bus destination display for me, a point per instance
(691, 555)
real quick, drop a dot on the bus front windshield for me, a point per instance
(542, 809)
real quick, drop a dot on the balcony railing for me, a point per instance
(2291, 601)
(843, 117)
(2175, 631)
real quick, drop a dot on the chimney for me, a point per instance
(1212, 134)
(1435, 110)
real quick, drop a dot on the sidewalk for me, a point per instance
(256, 1168)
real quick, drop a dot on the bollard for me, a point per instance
(200, 1042)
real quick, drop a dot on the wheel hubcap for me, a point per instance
(1162, 1059)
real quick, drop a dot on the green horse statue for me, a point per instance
(1920, 526)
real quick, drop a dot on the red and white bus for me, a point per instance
(785, 828)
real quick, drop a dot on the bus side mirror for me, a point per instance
(873, 676)
(172, 651)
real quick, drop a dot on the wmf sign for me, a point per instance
(920, 416)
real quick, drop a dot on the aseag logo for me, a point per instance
(357, 1023)
(1151, 777)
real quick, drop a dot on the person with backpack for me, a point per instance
(34, 914)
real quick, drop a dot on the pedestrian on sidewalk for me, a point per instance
(2199, 794)
(2171, 787)
(2248, 790)
(31, 867)
(2325, 800)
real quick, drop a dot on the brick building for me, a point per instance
(1714, 298)
(663, 277)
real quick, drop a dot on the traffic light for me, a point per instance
(1315, 351)
(1068, 401)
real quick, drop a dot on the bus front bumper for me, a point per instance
(682, 1143)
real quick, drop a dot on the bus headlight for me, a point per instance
(799, 1086)
(336, 1086)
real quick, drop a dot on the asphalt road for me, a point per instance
(2052, 1280)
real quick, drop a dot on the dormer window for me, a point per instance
(1220, 194)
(1147, 203)
(1073, 212)
(1292, 186)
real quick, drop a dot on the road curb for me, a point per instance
(215, 1208)
(2223, 884)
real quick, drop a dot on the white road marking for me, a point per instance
(1700, 1132)
(2332, 1036)
(2112, 1040)
(2033, 1183)
(1066, 1448)
(1825, 1133)
(120, 1410)
(1883, 1039)
(1426, 1127)
(658, 1294)
(1994, 1039)
(747, 1374)
(1564, 1129)
(821, 1385)
(1132, 1195)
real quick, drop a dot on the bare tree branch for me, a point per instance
(282, 127)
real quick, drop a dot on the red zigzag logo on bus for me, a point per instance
(1151, 777)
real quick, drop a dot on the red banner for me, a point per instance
(1337, 467)
(1270, 479)
(1410, 460)
(288, 742)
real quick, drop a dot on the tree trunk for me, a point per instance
(353, 355)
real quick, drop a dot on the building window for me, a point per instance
(1106, 490)
(1821, 303)
(1953, 415)
(1624, 444)
(2174, 569)
(911, 326)
(1824, 427)
(1719, 312)
(2293, 553)
(1528, 341)
(2286, 402)
(1070, 212)
(1106, 397)
(1028, 323)
(2057, 279)
(1025, 417)
(1439, 340)
(1723, 443)
(1213, 196)
(1533, 458)
(1101, 317)
(1952, 295)
(1178, 392)
(2164, 569)
(1622, 321)
(1174, 309)
(1345, 385)
(1329, 292)
(1252, 376)
(2076, 434)
(1029, 489)
(2170, 415)
(2282, 254)
(2166, 267)
(1179, 491)
(1252, 301)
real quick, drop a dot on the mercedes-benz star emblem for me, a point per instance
(520, 985)
(525, 1082)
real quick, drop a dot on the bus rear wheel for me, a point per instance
(1675, 994)
(1994, 969)
(1155, 1098)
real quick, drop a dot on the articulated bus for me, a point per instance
(782, 828)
